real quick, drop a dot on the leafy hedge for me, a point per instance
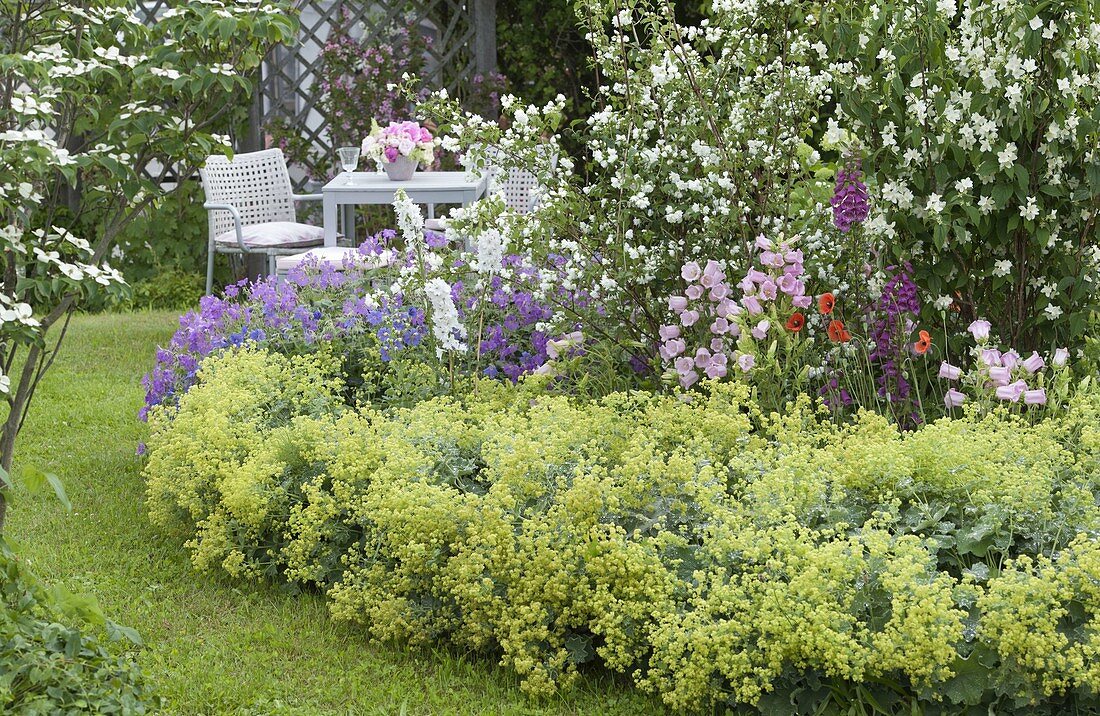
(714, 553)
(47, 667)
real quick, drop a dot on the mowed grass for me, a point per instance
(214, 645)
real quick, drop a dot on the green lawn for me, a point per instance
(215, 646)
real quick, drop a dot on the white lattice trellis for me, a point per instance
(463, 43)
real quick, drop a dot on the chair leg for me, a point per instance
(209, 270)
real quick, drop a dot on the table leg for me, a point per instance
(431, 211)
(329, 205)
(349, 223)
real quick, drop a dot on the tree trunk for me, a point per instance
(6, 445)
(14, 422)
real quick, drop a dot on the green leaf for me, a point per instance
(36, 481)
(118, 632)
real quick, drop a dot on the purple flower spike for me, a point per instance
(850, 200)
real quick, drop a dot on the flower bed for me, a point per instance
(711, 551)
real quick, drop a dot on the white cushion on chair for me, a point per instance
(435, 225)
(275, 234)
(332, 256)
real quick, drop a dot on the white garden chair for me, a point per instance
(251, 207)
(520, 187)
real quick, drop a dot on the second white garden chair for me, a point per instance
(520, 187)
(250, 202)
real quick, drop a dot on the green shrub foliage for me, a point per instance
(47, 667)
(716, 554)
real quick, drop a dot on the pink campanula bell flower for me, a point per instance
(752, 305)
(1010, 359)
(719, 291)
(768, 290)
(720, 326)
(757, 276)
(712, 274)
(746, 362)
(1000, 375)
(949, 372)
(1061, 357)
(728, 308)
(702, 357)
(677, 303)
(694, 292)
(717, 366)
(980, 329)
(691, 271)
(1012, 392)
(802, 301)
(790, 285)
(747, 286)
(991, 357)
(793, 257)
(685, 367)
(689, 318)
(675, 347)
(1034, 362)
(760, 330)
(717, 345)
(953, 398)
(763, 244)
(667, 333)
(1035, 397)
(772, 259)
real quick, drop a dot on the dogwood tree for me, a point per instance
(97, 108)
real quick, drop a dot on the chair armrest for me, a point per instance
(307, 197)
(236, 221)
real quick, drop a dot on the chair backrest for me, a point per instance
(257, 184)
(521, 188)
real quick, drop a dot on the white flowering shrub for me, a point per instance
(90, 98)
(980, 123)
(696, 146)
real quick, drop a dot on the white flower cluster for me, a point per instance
(446, 326)
(489, 251)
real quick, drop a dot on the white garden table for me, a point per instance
(350, 189)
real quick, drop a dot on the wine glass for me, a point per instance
(349, 160)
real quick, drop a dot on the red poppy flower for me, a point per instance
(796, 322)
(838, 333)
(922, 345)
(826, 303)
